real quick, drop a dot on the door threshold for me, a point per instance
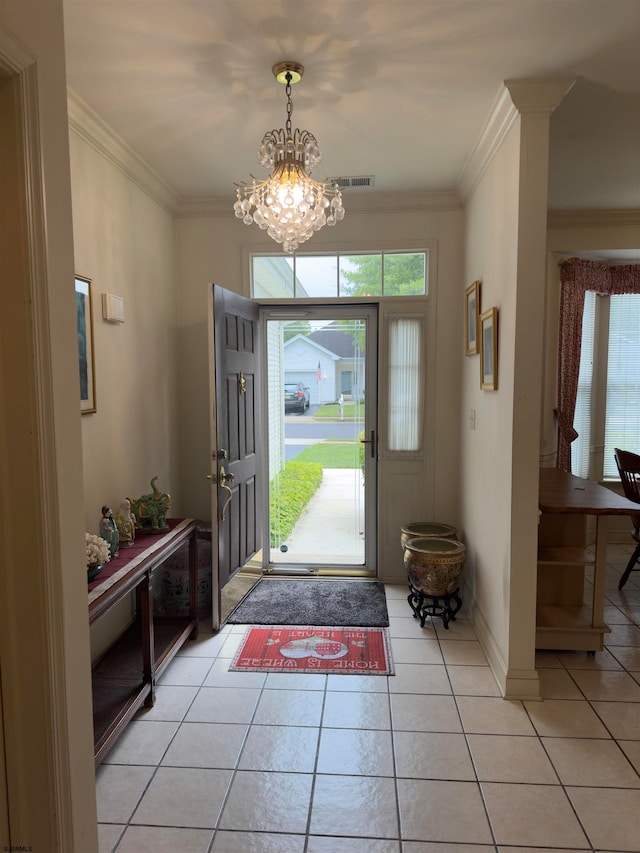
(319, 571)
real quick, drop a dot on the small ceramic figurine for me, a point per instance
(151, 510)
(109, 531)
(126, 523)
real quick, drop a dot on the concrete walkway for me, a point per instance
(331, 529)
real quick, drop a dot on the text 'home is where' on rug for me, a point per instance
(346, 651)
(333, 603)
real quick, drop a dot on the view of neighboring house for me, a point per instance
(273, 278)
(329, 361)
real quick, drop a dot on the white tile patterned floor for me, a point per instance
(431, 760)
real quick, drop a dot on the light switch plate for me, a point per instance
(112, 308)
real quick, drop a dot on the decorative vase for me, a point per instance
(434, 565)
(174, 581)
(426, 530)
(93, 570)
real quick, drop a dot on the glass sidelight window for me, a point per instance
(406, 383)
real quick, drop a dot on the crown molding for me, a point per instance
(88, 125)
(359, 202)
(564, 219)
(514, 98)
(500, 121)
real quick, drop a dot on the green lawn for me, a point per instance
(352, 412)
(290, 492)
(330, 454)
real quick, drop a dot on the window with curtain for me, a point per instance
(607, 413)
(578, 277)
(406, 383)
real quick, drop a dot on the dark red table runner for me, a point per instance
(129, 552)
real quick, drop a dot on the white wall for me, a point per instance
(491, 240)
(124, 242)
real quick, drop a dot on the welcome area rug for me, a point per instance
(335, 650)
(280, 601)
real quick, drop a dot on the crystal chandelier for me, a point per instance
(289, 205)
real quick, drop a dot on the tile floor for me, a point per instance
(430, 760)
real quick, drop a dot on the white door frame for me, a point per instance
(47, 731)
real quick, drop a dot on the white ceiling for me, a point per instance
(399, 89)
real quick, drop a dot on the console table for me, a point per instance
(124, 678)
(563, 619)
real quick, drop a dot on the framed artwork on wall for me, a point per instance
(84, 314)
(489, 350)
(471, 318)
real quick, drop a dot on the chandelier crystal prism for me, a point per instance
(289, 205)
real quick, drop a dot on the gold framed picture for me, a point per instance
(489, 350)
(84, 314)
(471, 318)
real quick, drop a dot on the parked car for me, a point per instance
(296, 397)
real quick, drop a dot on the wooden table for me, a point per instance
(564, 620)
(125, 676)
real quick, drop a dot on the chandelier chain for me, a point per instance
(289, 103)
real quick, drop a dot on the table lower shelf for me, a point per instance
(568, 628)
(114, 705)
(118, 684)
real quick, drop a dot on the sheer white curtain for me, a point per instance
(406, 383)
(581, 447)
(623, 380)
(607, 411)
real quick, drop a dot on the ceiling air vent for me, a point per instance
(353, 182)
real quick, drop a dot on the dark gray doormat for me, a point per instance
(276, 601)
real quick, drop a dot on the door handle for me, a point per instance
(223, 479)
(372, 442)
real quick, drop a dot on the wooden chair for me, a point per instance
(629, 470)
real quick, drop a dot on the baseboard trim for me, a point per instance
(513, 683)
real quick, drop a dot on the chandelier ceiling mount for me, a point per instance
(289, 205)
(280, 69)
